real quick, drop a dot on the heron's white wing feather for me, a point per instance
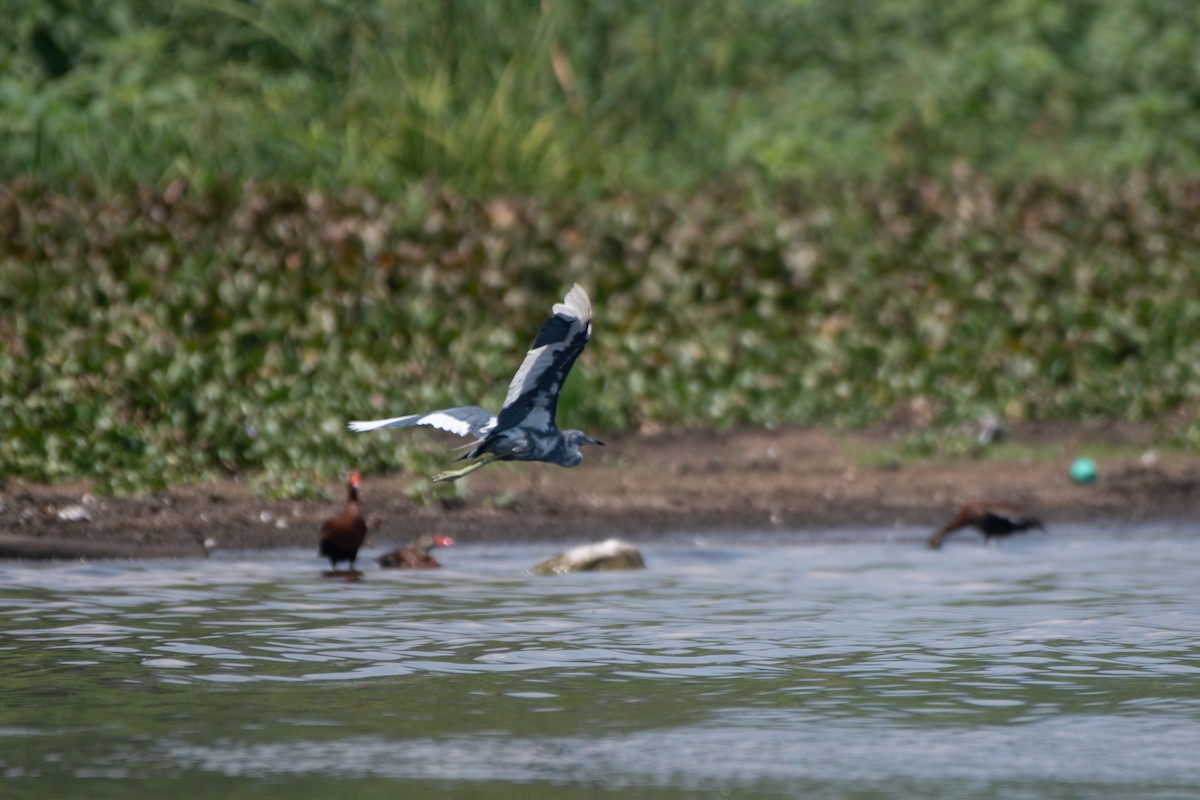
(462, 421)
(575, 305)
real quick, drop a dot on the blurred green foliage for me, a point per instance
(592, 96)
(226, 227)
(150, 336)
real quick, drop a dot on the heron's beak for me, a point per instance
(590, 440)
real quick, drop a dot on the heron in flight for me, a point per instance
(526, 429)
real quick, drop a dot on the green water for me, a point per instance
(1064, 666)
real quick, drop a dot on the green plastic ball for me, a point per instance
(1083, 470)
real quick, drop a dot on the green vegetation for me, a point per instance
(153, 337)
(227, 227)
(563, 96)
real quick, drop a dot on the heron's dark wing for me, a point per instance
(464, 421)
(532, 397)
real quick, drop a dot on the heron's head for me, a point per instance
(577, 438)
(573, 440)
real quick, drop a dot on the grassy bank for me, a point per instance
(767, 201)
(592, 97)
(154, 336)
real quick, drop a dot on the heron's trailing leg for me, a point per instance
(455, 474)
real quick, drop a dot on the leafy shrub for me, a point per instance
(511, 95)
(148, 337)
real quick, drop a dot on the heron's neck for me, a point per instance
(572, 455)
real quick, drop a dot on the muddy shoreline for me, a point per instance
(637, 487)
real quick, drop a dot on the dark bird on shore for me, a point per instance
(526, 429)
(990, 519)
(342, 535)
(416, 554)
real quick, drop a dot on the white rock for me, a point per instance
(612, 554)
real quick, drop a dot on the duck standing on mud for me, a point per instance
(416, 554)
(990, 519)
(342, 535)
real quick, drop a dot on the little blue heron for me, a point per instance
(526, 429)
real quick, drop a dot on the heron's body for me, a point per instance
(525, 444)
(343, 535)
(990, 519)
(526, 428)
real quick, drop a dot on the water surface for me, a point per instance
(756, 666)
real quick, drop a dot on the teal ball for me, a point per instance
(1083, 470)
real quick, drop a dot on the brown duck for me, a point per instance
(416, 554)
(990, 519)
(342, 535)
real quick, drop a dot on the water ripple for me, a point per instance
(774, 659)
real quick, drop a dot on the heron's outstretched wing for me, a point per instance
(532, 397)
(464, 421)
